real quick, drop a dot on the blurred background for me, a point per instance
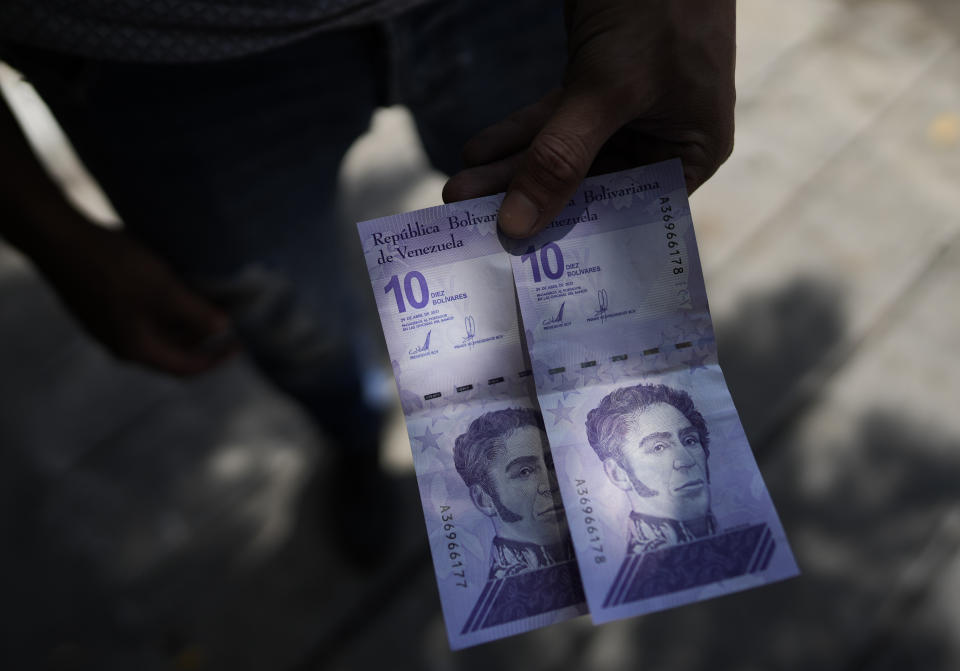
(149, 523)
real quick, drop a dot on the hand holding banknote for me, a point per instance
(586, 449)
(645, 82)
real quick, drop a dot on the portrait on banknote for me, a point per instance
(505, 463)
(654, 445)
(663, 501)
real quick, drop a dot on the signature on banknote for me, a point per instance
(558, 318)
(603, 303)
(470, 326)
(425, 347)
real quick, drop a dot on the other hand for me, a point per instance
(134, 304)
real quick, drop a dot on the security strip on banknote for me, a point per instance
(663, 497)
(502, 553)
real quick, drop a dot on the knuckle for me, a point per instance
(726, 147)
(559, 159)
(459, 187)
(476, 149)
(629, 96)
(710, 149)
(720, 141)
(451, 191)
(719, 151)
(703, 154)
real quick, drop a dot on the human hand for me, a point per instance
(124, 296)
(645, 81)
(135, 305)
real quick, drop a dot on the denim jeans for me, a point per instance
(228, 169)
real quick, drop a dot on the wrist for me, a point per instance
(44, 231)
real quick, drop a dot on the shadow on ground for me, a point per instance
(194, 535)
(855, 533)
(770, 343)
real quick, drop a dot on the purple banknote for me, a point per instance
(663, 497)
(607, 398)
(501, 549)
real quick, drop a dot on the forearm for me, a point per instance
(35, 216)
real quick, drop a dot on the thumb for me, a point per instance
(556, 162)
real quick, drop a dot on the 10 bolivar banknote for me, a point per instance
(575, 444)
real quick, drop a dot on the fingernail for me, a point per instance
(518, 215)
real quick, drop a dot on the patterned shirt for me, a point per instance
(179, 31)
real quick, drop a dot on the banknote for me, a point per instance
(502, 552)
(663, 497)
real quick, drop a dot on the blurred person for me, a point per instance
(504, 461)
(216, 128)
(654, 445)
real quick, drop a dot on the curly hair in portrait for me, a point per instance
(474, 450)
(608, 423)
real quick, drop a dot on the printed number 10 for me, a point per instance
(394, 285)
(551, 272)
